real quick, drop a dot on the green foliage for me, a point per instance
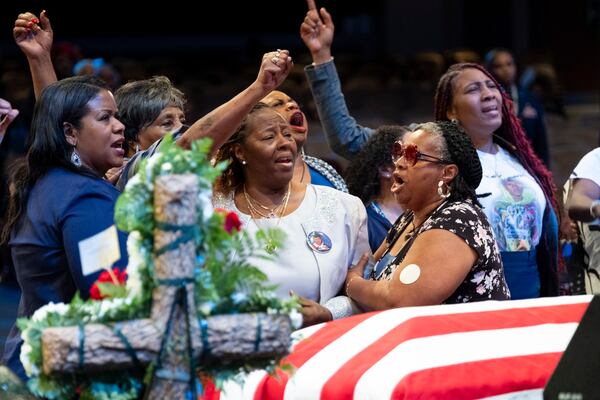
(226, 282)
(108, 289)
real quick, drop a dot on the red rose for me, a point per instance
(232, 221)
(106, 278)
(95, 292)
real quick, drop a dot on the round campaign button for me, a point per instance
(318, 241)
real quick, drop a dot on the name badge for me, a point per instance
(99, 251)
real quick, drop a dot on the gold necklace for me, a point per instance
(271, 212)
(270, 246)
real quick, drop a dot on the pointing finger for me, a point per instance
(311, 5)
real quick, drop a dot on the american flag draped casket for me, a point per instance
(462, 351)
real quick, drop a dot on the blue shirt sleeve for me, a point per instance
(346, 137)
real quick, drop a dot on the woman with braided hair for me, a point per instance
(522, 207)
(442, 249)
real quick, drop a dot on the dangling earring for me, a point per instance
(441, 190)
(75, 159)
(454, 121)
(243, 162)
(137, 147)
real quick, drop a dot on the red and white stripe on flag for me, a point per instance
(463, 351)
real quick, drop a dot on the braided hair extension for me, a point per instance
(510, 134)
(456, 147)
(362, 175)
(233, 176)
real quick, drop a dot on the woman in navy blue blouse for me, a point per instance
(59, 196)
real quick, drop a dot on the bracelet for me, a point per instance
(594, 204)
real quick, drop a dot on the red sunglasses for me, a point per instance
(411, 154)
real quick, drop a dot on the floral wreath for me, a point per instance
(224, 284)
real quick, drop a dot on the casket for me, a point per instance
(463, 351)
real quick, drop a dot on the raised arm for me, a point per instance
(34, 36)
(7, 116)
(222, 122)
(346, 137)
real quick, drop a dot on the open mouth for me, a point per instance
(118, 145)
(297, 119)
(284, 160)
(397, 183)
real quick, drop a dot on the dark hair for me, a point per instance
(233, 176)
(510, 134)
(63, 101)
(362, 176)
(141, 102)
(456, 146)
(490, 56)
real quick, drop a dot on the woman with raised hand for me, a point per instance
(325, 229)
(154, 107)
(307, 169)
(59, 198)
(442, 249)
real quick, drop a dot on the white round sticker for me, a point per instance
(410, 274)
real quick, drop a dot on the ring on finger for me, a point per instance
(275, 60)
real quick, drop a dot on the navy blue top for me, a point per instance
(63, 208)
(378, 226)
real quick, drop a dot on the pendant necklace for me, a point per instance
(270, 246)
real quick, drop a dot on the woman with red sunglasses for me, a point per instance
(442, 250)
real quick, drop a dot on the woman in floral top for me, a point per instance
(442, 249)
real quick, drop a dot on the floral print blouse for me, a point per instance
(485, 280)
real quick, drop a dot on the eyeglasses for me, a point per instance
(411, 154)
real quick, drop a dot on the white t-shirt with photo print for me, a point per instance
(516, 205)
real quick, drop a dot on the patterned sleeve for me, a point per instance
(468, 223)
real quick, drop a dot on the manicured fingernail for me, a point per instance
(35, 20)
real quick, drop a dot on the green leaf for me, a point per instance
(110, 290)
